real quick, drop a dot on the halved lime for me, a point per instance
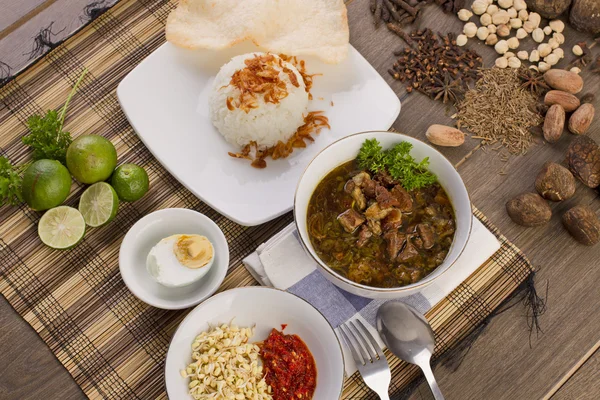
(61, 227)
(99, 204)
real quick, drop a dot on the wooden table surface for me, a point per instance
(563, 362)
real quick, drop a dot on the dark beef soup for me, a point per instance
(371, 230)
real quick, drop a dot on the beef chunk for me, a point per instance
(374, 226)
(405, 202)
(360, 178)
(359, 198)
(393, 220)
(350, 220)
(369, 187)
(363, 236)
(408, 253)
(385, 198)
(427, 235)
(376, 212)
(395, 240)
(364, 181)
(385, 179)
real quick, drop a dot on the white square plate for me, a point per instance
(165, 99)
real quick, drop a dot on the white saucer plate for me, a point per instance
(165, 99)
(146, 233)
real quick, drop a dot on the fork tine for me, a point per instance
(364, 352)
(372, 352)
(371, 339)
(357, 358)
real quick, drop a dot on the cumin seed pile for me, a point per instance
(499, 110)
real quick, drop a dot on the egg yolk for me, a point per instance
(193, 251)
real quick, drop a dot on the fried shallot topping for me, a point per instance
(301, 67)
(260, 77)
(313, 123)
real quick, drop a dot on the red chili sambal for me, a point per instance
(289, 367)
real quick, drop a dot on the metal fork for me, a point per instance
(369, 359)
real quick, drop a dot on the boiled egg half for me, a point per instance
(180, 260)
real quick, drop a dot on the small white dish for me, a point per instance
(346, 149)
(165, 99)
(148, 231)
(265, 308)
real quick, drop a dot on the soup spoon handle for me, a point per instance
(435, 389)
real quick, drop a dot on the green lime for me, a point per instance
(46, 184)
(99, 204)
(130, 182)
(61, 227)
(91, 158)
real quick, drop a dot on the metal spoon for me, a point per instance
(408, 335)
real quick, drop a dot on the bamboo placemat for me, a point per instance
(114, 345)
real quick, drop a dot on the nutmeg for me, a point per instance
(583, 224)
(583, 160)
(555, 182)
(566, 81)
(585, 16)
(548, 8)
(581, 119)
(554, 123)
(568, 101)
(446, 136)
(529, 209)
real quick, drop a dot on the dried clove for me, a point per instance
(435, 65)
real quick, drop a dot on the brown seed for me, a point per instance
(583, 160)
(447, 136)
(555, 182)
(566, 81)
(581, 119)
(554, 123)
(585, 15)
(583, 224)
(529, 209)
(568, 101)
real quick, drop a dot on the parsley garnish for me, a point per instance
(398, 162)
(46, 137)
(10, 183)
(47, 140)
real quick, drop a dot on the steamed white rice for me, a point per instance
(268, 123)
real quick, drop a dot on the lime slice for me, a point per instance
(99, 204)
(61, 227)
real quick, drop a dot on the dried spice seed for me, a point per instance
(533, 81)
(529, 209)
(436, 66)
(500, 111)
(583, 224)
(555, 182)
(583, 159)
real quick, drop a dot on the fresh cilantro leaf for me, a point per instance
(46, 137)
(371, 156)
(10, 183)
(398, 162)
